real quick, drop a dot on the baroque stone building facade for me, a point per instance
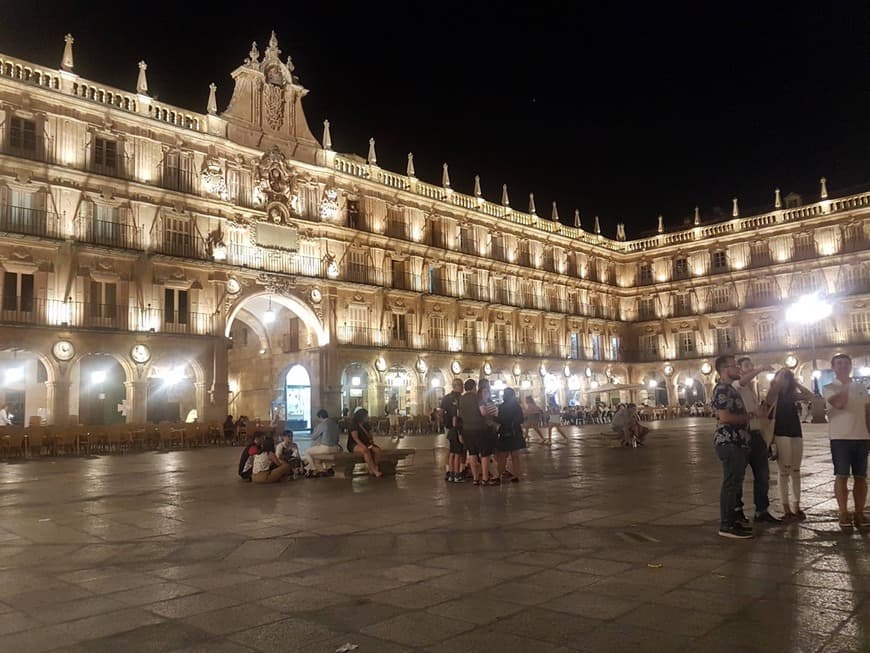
(158, 261)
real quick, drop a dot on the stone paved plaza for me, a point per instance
(600, 548)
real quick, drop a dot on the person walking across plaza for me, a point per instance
(784, 392)
(731, 440)
(849, 412)
(758, 450)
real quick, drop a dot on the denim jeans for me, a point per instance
(760, 473)
(733, 459)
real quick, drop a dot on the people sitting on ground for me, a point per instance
(287, 451)
(229, 429)
(267, 466)
(360, 441)
(627, 424)
(246, 460)
(510, 436)
(324, 439)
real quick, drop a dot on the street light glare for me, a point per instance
(808, 309)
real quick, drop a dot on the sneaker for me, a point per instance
(740, 517)
(766, 517)
(447, 476)
(735, 532)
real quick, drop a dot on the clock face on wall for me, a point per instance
(233, 286)
(63, 350)
(455, 367)
(140, 353)
(315, 296)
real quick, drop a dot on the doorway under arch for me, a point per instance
(101, 390)
(297, 399)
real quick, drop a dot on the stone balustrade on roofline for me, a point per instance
(71, 84)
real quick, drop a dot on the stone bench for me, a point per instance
(344, 462)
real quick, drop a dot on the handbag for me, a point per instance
(766, 423)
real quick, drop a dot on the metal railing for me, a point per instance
(111, 234)
(31, 222)
(115, 317)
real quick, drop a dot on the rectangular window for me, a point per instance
(595, 342)
(804, 245)
(681, 268)
(178, 235)
(764, 332)
(726, 340)
(357, 266)
(524, 255)
(719, 262)
(17, 292)
(649, 347)
(358, 317)
(435, 286)
(399, 327)
(647, 309)
(501, 334)
(614, 348)
(104, 299)
(574, 345)
(437, 339)
(498, 249)
(22, 136)
(468, 243)
(682, 305)
(400, 276)
(721, 298)
(859, 323)
(469, 335)
(686, 342)
(105, 155)
(644, 275)
(175, 306)
(291, 338)
(760, 253)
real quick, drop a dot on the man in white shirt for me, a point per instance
(757, 456)
(848, 412)
(5, 419)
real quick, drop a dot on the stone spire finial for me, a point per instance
(67, 62)
(697, 216)
(212, 99)
(577, 218)
(142, 82)
(620, 231)
(735, 211)
(477, 192)
(273, 44)
(505, 200)
(254, 54)
(554, 216)
(532, 204)
(373, 157)
(777, 199)
(597, 225)
(824, 184)
(411, 172)
(445, 176)
(661, 228)
(327, 136)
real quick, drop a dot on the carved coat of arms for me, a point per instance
(275, 183)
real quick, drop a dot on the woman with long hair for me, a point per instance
(784, 393)
(267, 468)
(360, 441)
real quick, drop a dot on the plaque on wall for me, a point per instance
(274, 237)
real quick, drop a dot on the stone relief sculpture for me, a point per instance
(275, 183)
(213, 179)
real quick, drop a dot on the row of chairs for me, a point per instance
(28, 441)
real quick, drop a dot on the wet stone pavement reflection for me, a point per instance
(600, 548)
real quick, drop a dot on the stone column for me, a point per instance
(216, 409)
(203, 406)
(137, 401)
(329, 387)
(57, 401)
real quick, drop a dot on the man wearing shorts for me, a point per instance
(848, 411)
(450, 417)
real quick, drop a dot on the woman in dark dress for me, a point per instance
(359, 440)
(510, 436)
(784, 392)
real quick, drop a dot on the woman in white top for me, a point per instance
(267, 468)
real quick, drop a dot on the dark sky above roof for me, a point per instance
(626, 110)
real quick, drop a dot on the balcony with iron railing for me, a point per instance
(121, 235)
(25, 144)
(113, 317)
(29, 222)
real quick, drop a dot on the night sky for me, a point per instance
(625, 111)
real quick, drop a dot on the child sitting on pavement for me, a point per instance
(288, 451)
(246, 460)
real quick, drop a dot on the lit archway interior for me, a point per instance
(260, 304)
(297, 393)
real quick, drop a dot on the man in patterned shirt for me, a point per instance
(732, 445)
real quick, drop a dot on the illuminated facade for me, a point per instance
(158, 261)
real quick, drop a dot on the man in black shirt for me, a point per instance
(450, 416)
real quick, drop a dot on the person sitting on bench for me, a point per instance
(360, 441)
(324, 439)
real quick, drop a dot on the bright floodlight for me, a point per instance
(817, 374)
(174, 376)
(653, 385)
(14, 375)
(864, 371)
(808, 309)
(98, 377)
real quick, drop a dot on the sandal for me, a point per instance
(475, 482)
(492, 481)
(800, 515)
(846, 521)
(858, 520)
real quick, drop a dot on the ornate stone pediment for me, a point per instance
(275, 186)
(213, 179)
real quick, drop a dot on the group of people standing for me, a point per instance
(743, 421)
(478, 429)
